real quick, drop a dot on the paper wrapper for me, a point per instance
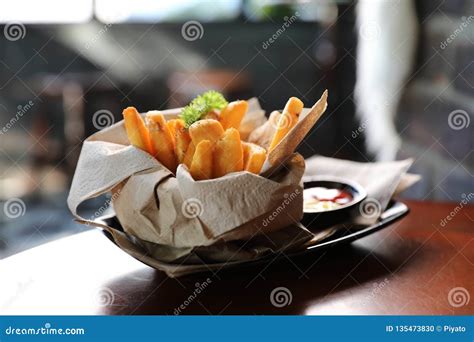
(170, 220)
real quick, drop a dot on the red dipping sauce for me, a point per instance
(321, 198)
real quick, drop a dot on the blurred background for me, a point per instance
(400, 76)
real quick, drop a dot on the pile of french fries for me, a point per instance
(210, 147)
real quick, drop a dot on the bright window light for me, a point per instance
(116, 11)
(46, 11)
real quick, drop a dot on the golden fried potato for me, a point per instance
(188, 157)
(287, 120)
(137, 132)
(228, 153)
(181, 138)
(161, 140)
(173, 126)
(207, 129)
(233, 113)
(201, 165)
(254, 157)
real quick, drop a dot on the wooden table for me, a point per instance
(416, 266)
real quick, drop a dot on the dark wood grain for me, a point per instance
(408, 268)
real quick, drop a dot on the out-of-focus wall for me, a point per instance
(436, 115)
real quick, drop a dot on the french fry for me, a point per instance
(182, 140)
(254, 157)
(228, 153)
(207, 129)
(201, 165)
(232, 115)
(287, 120)
(137, 132)
(173, 126)
(188, 157)
(161, 140)
(290, 142)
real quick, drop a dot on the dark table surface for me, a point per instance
(415, 266)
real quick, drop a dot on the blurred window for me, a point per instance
(152, 11)
(166, 11)
(119, 11)
(46, 11)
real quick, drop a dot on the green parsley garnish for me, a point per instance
(202, 105)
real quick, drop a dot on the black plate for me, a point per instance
(348, 232)
(394, 212)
